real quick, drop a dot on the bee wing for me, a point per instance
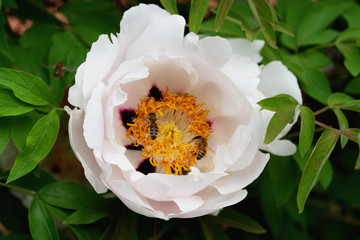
(67, 68)
(47, 66)
(70, 69)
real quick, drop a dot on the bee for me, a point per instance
(59, 70)
(201, 144)
(153, 127)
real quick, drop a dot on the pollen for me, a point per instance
(169, 130)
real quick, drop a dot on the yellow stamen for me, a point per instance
(178, 120)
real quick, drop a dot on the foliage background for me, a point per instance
(319, 41)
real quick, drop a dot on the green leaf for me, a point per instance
(241, 14)
(352, 15)
(352, 106)
(277, 123)
(350, 35)
(32, 50)
(234, 219)
(273, 214)
(5, 133)
(228, 30)
(239, 20)
(339, 98)
(170, 6)
(315, 59)
(353, 87)
(222, 12)
(33, 182)
(357, 163)
(354, 133)
(307, 129)
(20, 128)
(284, 28)
(16, 236)
(318, 157)
(122, 224)
(26, 87)
(65, 48)
(279, 102)
(197, 12)
(67, 195)
(10, 4)
(41, 223)
(88, 20)
(39, 142)
(282, 174)
(269, 54)
(285, 107)
(313, 24)
(93, 211)
(35, 10)
(292, 11)
(343, 124)
(349, 49)
(5, 50)
(343, 101)
(265, 16)
(11, 106)
(87, 232)
(212, 231)
(312, 81)
(326, 175)
(82, 232)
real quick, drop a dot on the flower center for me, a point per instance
(172, 131)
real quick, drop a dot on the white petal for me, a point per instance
(136, 19)
(217, 91)
(280, 147)
(213, 203)
(229, 154)
(176, 73)
(94, 119)
(238, 151)
(142, 210)
(101, 60)
(244, 73)
(115, 155)
(123, 190)
(163, 187)
(156, 30)
(275, 78)
(163, 209)
(248, 49)
(76, 97)
(215, 200)
(188, 204)
(240, 179)
(215, 50)
(83, 152)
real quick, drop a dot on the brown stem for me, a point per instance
(155, 228)
(324, 109)
(337, 130)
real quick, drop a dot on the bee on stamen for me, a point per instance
(153, 127)
(201, 145)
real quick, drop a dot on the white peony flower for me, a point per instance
(170, 123)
